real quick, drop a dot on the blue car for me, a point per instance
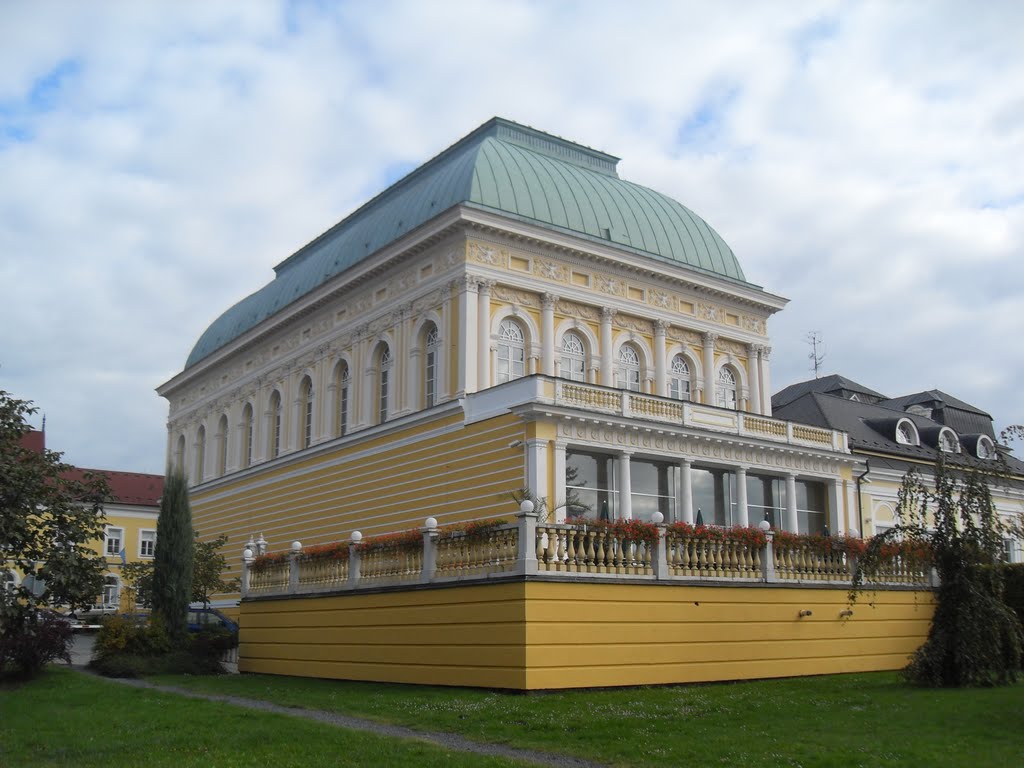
(200, 619)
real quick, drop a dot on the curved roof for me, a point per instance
(504, 167)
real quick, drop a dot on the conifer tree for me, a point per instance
(172, 562)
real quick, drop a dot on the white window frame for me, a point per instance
(430, 361)
(726, 389)
(511, 352)
(145, 539)
(573, 357)
(629, 368)
(679, 380)
(384, 381)
(109, 538)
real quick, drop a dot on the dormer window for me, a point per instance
(948, 442)
(985, 448)
(906, 433)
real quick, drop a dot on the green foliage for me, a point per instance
(37, 639)
(1013, 580)
(208, 566)
(134, 647)
(172, 562)
(121, 635)
(974, 639)
(49, 516)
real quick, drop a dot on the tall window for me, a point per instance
(679, 379)
(274, 437)
(111, 592)
(430, 367)
(179, 453)
(200, 453)
(147, 543)
(726, 390)
(574, 358)
(222, 446)
(384, 381)
(590, 483)
(113, 536)
(342, 384)
(247, 433)
(511, 361)
(629, 368)
(306, 411)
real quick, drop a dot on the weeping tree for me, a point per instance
(975, 638)
(172, 561)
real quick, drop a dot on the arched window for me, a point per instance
(574, 358)
(948, 442)
(725, 392)
(200, 453)
(905, 433)
(384, 364)
(247, 433)
(306, 412)
(111, 592)
(430, 348)
(222, 445)
(629, 368)
(511, 363)
(679, 379)
(274, 433)
(179, 453)
(342, 388)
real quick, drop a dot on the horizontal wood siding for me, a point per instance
(441, 469)
(466, 636)
(544, 635)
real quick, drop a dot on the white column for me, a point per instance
(834, 515)
(660, 371)
(792, 520)
(709, 368)
(766, 381)
(467, 336)
(537, 466)
(547, 333)
(607, 362)
(625, 487)
(483, 353)
(754, 371)
(370, 397)
(444, 349)
(742, 515)
(852, 523)
(404, 368)
(322, 405)
(685, 501)
(559, 478)
(357, 394)
(259, 410)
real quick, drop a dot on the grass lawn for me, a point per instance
(841, 720)
(69, 719)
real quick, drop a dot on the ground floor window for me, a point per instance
(111, 592)
(590, 486)
(653, 489)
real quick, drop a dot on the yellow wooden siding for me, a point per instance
(376, 486)
(463, 636)
(545, 635)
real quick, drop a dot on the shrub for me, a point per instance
(121, 635)
(135, 647)
(30, 640)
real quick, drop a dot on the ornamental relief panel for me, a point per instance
(550, 270)
(753, 324)
(661, 299)
(692, 338)
(572, 309)
(515, 296)
(696, 448)
(731, 347)
(712, 312)
(610, 285)
(634, 324)
(488, 254)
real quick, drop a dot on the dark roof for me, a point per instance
(826, 384)
(867, 425)
(959, 416)
(933, 396)
(518, 171)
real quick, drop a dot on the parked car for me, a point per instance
(200, 619)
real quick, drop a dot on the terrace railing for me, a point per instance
(577, 550)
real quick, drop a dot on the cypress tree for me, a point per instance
(172, 562)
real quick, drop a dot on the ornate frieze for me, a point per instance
(691, 338)
(610, 285)
(572, 309)
(484, 253)
(634, 324)
(515, 296)
(730, 347)
(550, 270)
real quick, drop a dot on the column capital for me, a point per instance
(709, 338)
(548, 300)
(766, 352)
(754, 349)
(741, 469)
(625, 452)
(660, 327)
(607, 314)
(484, 285)
(685, 463)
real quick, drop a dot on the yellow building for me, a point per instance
(512, 314)
(129, 531)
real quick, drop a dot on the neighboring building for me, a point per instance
(896, 434)
(510, 314)
(130, 530)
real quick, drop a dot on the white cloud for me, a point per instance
(862, 159)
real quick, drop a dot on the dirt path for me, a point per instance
(444, 740)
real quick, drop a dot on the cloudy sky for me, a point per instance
(865, 160)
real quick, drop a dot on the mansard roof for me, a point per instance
(502, 167)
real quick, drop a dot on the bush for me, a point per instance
(126, 647)
(1013, 594)
(121, 635)
(30, 640)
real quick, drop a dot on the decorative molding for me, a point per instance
(572, 309)
(731, 347)
(610, 285)
(487, 254)
(550, 270)
(634, 324)
(661, 299)
(515, 296)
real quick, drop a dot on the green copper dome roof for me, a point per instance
(505, 167)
